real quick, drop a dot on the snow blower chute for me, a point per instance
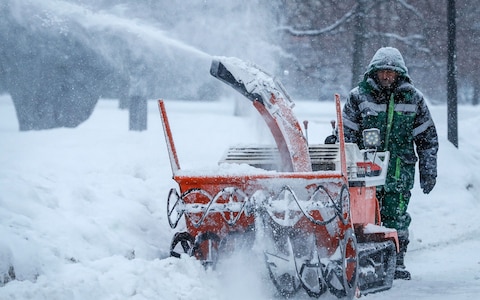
(315, 204)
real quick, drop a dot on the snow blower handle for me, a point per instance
(305, 125)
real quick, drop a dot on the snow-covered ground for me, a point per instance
(83, 210)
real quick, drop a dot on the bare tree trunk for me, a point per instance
(358, 43)
(476, 91)
(451, 76)
(138, 113)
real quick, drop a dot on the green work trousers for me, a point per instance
(393, 210)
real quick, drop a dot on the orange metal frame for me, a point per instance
(363, 203)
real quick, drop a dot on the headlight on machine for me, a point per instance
(371, 138)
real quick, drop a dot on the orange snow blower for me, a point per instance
(314, 206)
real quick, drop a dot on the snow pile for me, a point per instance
(83, 211)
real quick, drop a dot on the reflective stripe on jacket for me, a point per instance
(411, 124)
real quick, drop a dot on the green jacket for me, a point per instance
(401, 114)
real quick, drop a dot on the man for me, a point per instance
(386, 99)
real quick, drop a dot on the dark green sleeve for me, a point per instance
(426, 140)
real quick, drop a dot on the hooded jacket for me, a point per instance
(400, 112)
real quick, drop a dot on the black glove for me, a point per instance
(427, 182)
(331, 139)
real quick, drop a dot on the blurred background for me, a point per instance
(58, 58)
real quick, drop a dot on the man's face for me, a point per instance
(386, 77)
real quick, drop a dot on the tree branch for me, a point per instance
(328, 29)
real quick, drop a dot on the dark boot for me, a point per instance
(400, 270)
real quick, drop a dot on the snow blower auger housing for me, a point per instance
(314, 205)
